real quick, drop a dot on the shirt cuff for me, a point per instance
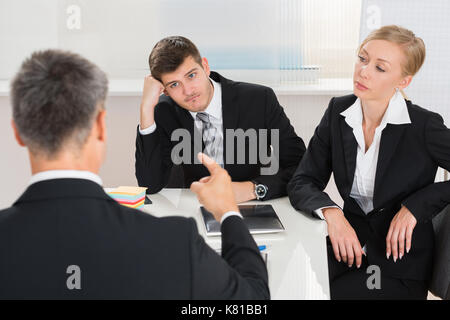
(319, 211)
(148, 130)
(229, 214)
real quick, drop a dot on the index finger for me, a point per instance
(388, 243)
(209, 163)
(358, 253)
(409, 232)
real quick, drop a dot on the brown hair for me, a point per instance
(413, 47)
(169, 53)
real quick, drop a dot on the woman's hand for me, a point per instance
(343, 237)
(400, 231)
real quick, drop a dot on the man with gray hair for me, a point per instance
(65, 238)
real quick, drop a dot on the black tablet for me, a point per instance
(259, 218)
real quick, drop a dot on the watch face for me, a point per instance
(260, 191)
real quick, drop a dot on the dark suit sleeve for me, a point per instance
(429, 201)
(290, 148)
(240, 274)
(305, 190)
(153, 163)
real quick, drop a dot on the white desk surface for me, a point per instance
(297, 258)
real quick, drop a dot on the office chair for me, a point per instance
(440, 280)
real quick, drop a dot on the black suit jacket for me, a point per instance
(244, 106)
(408, 159)
(122, 253)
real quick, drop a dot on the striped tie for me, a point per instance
(211, 139)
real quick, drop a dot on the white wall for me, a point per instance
(330, 35)
(118, 35)
(14, 166)
(429, 20)
(25, 26)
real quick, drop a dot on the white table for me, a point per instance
(297, 258)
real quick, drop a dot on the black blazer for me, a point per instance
(407, 163)
(244, 106)
(122, 253)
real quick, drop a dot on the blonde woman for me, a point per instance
(384, 152)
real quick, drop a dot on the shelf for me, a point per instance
(133, 87)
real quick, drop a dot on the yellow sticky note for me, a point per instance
(128, 190)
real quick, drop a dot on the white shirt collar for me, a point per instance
(396, 112)
(65, 174)
(214, 108)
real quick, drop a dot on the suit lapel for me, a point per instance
(390, 138)
(230, 108)
(186, 119)
(350, 149)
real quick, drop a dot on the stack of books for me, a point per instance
(133, 197)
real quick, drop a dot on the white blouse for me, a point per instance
(366, 162)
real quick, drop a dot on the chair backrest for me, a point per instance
(440, 280)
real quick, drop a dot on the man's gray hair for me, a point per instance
(55, 97)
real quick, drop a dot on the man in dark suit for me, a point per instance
(235, 123)
(65, 238)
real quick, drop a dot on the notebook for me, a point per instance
(259, 218)
(133, 197)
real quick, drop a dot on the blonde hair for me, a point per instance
(412, 46)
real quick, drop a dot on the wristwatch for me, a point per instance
(260, 190)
